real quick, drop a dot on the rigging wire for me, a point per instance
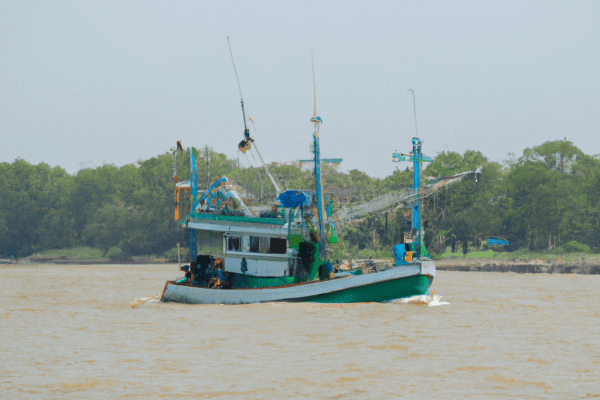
(235, 70)
(247, 159)
(259, 175)
(254, 147)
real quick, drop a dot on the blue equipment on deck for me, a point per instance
(294, 198)
(400, 254)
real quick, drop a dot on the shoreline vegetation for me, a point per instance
(545, 204)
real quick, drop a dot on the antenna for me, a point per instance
(315, 120)
(414, 108)
(312, 61)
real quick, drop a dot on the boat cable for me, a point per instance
(277, 189)
(236, 77)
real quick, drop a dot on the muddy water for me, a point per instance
(71, 332)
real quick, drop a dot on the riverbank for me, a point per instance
(51, 259)
(582, 265)
(588, 266)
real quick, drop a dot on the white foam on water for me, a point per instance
(436, 301)
(144, 300)
(432, 300)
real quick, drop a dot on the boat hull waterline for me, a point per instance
(395, 283)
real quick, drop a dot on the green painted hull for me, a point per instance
(377, 292)
(248, 281)
(395, 283)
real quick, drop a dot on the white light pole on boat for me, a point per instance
(414, 109)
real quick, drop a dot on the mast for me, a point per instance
(194, 195)
(417, 218)
(247, 137)
(317, 121)
(417, 157)
(246, 130)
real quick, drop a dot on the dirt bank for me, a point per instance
(87, 261)
(536, 266)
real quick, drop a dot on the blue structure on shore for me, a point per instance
(494, 241)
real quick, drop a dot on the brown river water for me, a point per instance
(97, 332)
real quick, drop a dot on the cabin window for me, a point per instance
(263, 245)
(278, 246)
(254, 244)
(267, 245)
(234, 243)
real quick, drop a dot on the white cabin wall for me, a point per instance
(258, 266)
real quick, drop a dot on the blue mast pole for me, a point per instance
(418, 157)
(317, 121)
(416, 212)
(417, 218)
(194, 195)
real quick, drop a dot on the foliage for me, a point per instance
(76, 252)
(115, 253)
(545, 201)
(211, 250)
(473, 254)
(576, 247)
(171, 254)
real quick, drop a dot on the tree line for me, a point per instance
(547, 198)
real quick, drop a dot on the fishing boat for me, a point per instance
(280, 254)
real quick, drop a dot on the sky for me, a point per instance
(84, 84)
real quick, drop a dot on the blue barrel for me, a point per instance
(327, 269)
(399, 254)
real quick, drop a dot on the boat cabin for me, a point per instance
(254, 248)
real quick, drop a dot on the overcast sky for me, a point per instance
(84, 83)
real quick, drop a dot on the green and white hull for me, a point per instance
(395, 283)
(280, 255)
